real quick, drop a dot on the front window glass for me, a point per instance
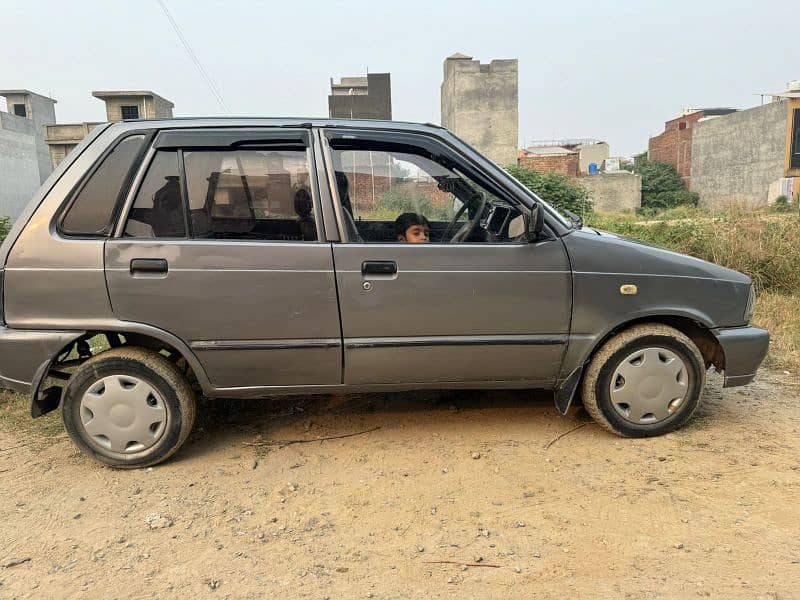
(250, 194)
(402, 196)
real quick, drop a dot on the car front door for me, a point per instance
(221, 245)
(437, 313)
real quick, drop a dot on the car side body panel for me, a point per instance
(479, 316)
(465, 312)
(56, 281)
(664, 282)
(254, 313)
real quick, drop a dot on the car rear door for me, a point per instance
(437, 313)
(221, 244)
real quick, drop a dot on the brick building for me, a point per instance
(674, 146)
(555, 159)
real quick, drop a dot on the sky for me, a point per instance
(609, 70)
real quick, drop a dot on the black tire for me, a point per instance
(596, 386)
(175, 396)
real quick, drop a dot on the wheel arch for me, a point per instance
(117, 334)
(581, 348)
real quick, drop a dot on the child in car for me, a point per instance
(412, 228)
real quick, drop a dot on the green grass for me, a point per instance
(765, 246)
(15, 415)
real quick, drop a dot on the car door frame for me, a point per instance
(475, 171)
(215, 355)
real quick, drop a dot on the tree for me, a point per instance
(554, 188)
(662, 187)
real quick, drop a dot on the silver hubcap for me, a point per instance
(123, 414)
(649, 386)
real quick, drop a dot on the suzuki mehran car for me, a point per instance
(246, 258)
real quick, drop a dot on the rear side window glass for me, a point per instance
(157, 211)
(93, 206)
(250, 195)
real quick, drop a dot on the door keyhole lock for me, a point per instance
(366, 286)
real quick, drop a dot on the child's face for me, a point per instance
(416, 234)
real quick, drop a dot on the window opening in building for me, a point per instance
(130, 112)
(795, 157)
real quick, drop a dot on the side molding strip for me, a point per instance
(264, 344)
(354, 343)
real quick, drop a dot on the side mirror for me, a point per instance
(576, 219)
(535, 223)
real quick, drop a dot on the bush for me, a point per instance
(662, 187)
(554, 188)
(781, 203)
(5, 227)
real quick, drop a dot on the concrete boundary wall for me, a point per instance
(613, 192)
(19, 171)
(735, 158)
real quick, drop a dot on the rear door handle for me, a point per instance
(378, 267)
(149, 266)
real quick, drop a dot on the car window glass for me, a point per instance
(157, 211)
(382, 192)
(250, 194)
(91, 209)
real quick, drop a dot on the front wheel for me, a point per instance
(128, 408)
(645, 381)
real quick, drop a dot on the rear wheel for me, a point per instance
(128, 407)
(645, 381)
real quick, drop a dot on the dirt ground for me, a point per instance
(469, 477)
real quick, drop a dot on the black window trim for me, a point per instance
(215, 140)
(794, 156)
(68, 202)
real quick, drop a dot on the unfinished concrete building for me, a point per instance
(480, 104)
(24, 157)
(750, 157)
(120, 105)
(123, 105)
(367, 97)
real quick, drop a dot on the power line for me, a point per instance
(203, 73)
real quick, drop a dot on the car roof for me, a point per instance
(189, 122)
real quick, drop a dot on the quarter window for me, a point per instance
(93, 205)
(250, 194)
(157, 211)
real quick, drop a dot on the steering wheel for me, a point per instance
(467, 228)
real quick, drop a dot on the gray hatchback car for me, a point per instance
(243, 258)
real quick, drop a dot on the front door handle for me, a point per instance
(149, 266)
(378, 267)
